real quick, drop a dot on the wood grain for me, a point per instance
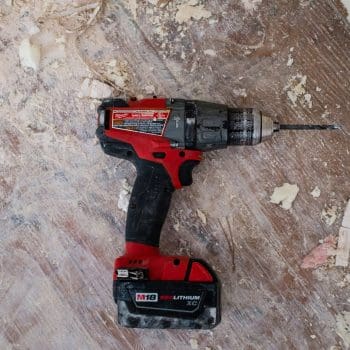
(60, 226)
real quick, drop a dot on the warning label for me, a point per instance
(145, 121)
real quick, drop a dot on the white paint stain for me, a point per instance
(94, 89)
(346, 217)
(149, 89)
(307, 99)
(316, 192)
(343, 248)
(240, 92)
(202, 216)
(290, 60)
(191, 10)
(210, 52)
(343, 327)
(251, 5)
(194, 343)
(296, 90)
(285, 195)
(124, 196)
(329, 215)
(29, 54)
(347, 6)
(132, 4)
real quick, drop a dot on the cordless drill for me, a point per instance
(164, 139)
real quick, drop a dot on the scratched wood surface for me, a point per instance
(60, 227)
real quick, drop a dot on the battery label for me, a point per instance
(122, 273)
(146, 121)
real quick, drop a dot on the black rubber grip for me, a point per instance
(150, 196)
(149, 203)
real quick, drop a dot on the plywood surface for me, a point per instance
(60, 226)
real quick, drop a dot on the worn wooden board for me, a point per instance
(60, 228)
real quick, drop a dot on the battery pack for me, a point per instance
(167, 304)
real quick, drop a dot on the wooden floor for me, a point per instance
(60, 227)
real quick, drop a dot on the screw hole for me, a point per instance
(176, 262)
(182, 154)
(129, 154)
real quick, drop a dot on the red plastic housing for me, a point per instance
(160, 267)
(146, 257)
(147, 145)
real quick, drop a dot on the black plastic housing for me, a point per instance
(206, 126)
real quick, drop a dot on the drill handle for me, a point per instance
(149, 203)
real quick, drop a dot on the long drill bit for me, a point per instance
(308, 127)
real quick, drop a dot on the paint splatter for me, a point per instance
(343, 327)
(285, 195)
(319, 255)
(191, 10)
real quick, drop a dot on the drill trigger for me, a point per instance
(185, 172)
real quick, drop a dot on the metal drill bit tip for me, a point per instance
(308, 127)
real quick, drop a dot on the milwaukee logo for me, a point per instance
(146, 297)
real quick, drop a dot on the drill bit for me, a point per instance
(308, 127)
